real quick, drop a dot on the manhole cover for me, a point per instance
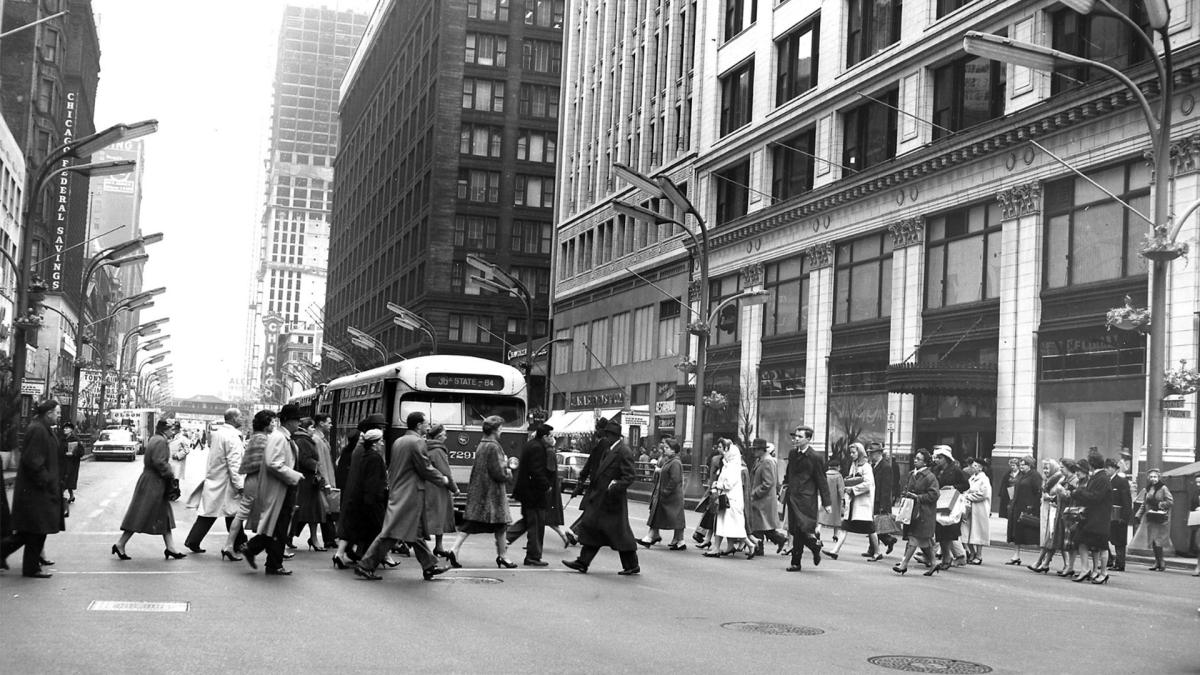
(472, 580)
(928, 664)
(771, 628)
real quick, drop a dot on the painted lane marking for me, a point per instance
(136, 606)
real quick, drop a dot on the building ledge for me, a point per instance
(947, 379)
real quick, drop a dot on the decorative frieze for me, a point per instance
(1020, 200)
(819, 256)
(908, 232)
(1185, 155)
(752, 275)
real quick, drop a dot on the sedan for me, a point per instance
(116, 443)
(569, 466)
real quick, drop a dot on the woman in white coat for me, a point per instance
(731, 521)
(859, 517)
(975, 522)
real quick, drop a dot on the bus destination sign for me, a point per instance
(462, 381)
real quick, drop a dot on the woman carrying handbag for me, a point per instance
(1155, 514)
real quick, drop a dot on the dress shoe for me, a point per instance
(832, 556)
(369, 575)
(288, 556)
(452, 558)
(430, 572)
(226, 554)
(576, 565)
(168, 554)
(636, 569)
(279, 572)
(193, 549)
(504, 563)
(119, 553)
(38, 575)
(337, 562)
(536, 563)
(793, 568)
(250, 560)
(45, 563)
(816, 554)
(677, 546)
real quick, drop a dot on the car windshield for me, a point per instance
(116, 436)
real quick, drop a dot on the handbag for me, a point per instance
(1156, 516)
(1194, 518)
(885, 523)
(904, 512)
(1029, 519)
(702, 505)
(722, 502)
(1072, 515)
(171, 493)
(333, 500)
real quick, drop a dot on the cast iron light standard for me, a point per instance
(78, 148)
(410, 320)
(1160, 247)
(545, 349)
(364, 341)
(504, 283)
(145, 330)
(137, 383)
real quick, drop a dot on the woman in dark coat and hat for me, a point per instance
(487, 494)
(439, 502)
(1095, 496)
(37, 508)
(922, 488)
(666, 498)
(365, 496)
(150, 511)
(310, 504)
(1027, 499)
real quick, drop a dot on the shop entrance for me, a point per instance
(966, 423)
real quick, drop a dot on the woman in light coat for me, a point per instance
(730, 521)
(1155, 514)
(860, 493)
(1052, 475)
(837, 487)
(976, 521)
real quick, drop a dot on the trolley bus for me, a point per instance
(457, 392)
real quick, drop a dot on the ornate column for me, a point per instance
(750, 330)
(908, 300)
(1020, 315)
(820, 340)
(1183, 299)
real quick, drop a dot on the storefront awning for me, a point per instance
(945, 379)
(572, 422)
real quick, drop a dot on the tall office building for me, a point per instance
(292, 247)
(449, 119)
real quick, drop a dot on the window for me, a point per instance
(797, 61)
(488, 10)
(538, 100)
(737, 97)
(599, 340)
(669, 328)
(792, 165)
(478, 232)
(735, 16)
(870, 132)
(537, 146)
(967, 92)
(562, 351)
(529, 236)
(45, 97)
(485, 95)
(1096, 37)
(726, 332)
(944, 7)
(485, 49)
(479, 186)
(1089, 236)
(873, 25)
(541, 56)
(863, 279)
(733, 192)
(639, 394)
(536, 279)
(49, 44)
(480, 140)
(470, 329)
(962, 256)
(643, 333)
(786, 310)
(579, 354)
(537, 191)
(544, 13)
(619, 349)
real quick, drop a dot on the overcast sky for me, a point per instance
(204, 71)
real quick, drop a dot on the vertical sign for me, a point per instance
(63, 197)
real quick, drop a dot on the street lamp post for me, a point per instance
(504, 283)
(1160, 248)
(339, 356)
(410, 320)
(137, 383)
(145, 330)
(545, 349)
(362, 340)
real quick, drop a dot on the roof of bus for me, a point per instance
(306, 395)
(418, 366)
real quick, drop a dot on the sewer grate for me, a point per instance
(471, 580)
(928, 664)
(767, 628)
(136, 606)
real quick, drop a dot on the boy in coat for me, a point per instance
(605, 520)
(803, 481)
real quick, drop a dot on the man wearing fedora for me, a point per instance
(764, 495)
(882, 473)
(605, 520)
(803, 481)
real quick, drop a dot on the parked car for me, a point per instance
(116, 443)
(569, 466)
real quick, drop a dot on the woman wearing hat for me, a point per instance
(860, 493)
(666, 500)
(1095, 495)
(1155, 513)
(439, 505)
(364, 498)
(149, 511)
(487, 494)
(1026, 501)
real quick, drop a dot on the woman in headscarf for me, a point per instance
(150, 511)
(976, 526)
(365, 497)
(487, 494)
(922, 488)
(730, 523)
(1096, 498)
(1155, 513)
(439, 504)
(860, 495)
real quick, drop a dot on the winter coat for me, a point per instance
(976, 522)
(1027, 498)
(72, 453)
(310, 505)
(764, 495)
(881, 471)
(862, 495)
(534, 482)
(410, 474)
(950, 475)
(1096, 499)
(837, 485)
(37, 493)
(219, 497)
(605, 504)
(439, 505)
(924, 485)
(277, 478)
(1157, 498)
(149, 511)
(487, 498)
(365, 495)
(731, 522)
(666, 499)
(325, 458)
(804, 479)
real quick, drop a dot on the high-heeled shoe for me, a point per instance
(389, 563)
(226, 554)
(936, 568)
(1082, 578)
(452, 558)
(1037, 570)
(168, 554)
(119, 553)
(1100, 580)
(337, 562)
(1065, 573)
(505, 564)
(312, 546)
(704, 545)
(899, 570)
(1014, 561)
(875, 558)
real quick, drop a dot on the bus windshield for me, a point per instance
(479, 406)
(462, 409)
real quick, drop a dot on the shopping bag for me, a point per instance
(885, 523)
(948, 497)
(904, 512)
(954, 515)
(333, 500)
(1194, 518)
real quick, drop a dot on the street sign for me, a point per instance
(32, 387)
(1173, 403)
(636, 419)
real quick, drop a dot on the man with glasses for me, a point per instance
(803, 480)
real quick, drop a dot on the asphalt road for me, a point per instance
(675, 616)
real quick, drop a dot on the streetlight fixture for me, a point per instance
(1160, 248)
(364, 341)
(339, 356)
(410, 320)
(505, 283)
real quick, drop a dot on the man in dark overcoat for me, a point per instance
(605, 520)
(535, 480)
(595, 453)
(802, 483)
(1118, 534)
(881, 471)
(37, 495)
(762, 512)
